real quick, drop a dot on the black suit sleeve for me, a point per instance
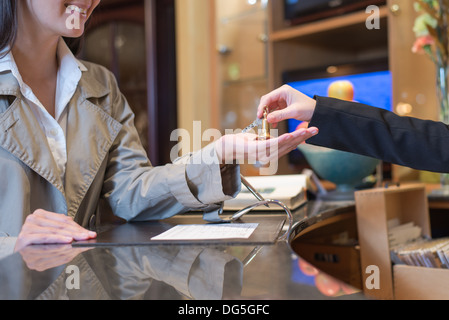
(381, 134)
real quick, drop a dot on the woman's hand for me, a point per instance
(245, 147)
(286, 103)
(43, 227)
(45, 257)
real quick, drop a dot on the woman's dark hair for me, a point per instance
(8, 28)
(8, 23)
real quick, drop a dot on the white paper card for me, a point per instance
(209, 232)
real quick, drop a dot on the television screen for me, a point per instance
(374, 89)
(371, 81)
(302, 11)
(295, 8)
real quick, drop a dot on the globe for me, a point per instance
(346, 170)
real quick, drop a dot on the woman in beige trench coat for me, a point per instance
(67, 138)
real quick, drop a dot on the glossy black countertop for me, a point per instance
(176, 271)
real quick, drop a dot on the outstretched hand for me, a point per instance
(245, 147)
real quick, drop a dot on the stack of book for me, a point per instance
(409, 247)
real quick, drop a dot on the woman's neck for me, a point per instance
(35, 48)
(38, 65)
(35, 53)
(36, 59)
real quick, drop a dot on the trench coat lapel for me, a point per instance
(22, 136)
(90, 134)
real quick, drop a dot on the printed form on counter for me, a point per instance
(209, 232)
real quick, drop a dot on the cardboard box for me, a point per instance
(417, 283)
(374, 208)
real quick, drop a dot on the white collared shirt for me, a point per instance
(69, 75)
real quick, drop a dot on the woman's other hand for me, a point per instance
(43, 227)
(245, 148)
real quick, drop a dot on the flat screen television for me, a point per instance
(303, 11)
(371, 80)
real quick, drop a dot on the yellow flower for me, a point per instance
(422, 23)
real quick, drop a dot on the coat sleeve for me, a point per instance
(7, 245)
(138, 191)
(381, 134)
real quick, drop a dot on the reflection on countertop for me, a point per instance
(173, 272)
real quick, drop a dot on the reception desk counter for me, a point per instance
(186, 271)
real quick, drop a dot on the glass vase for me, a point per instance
(443, 99)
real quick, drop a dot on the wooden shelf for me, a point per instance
(323, 25)
(343, 39)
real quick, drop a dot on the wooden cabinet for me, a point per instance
(135, 39)
(241, 46)
(414, 75)
(346, 38)
(333, 41)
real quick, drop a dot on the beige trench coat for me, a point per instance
(105, 161)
